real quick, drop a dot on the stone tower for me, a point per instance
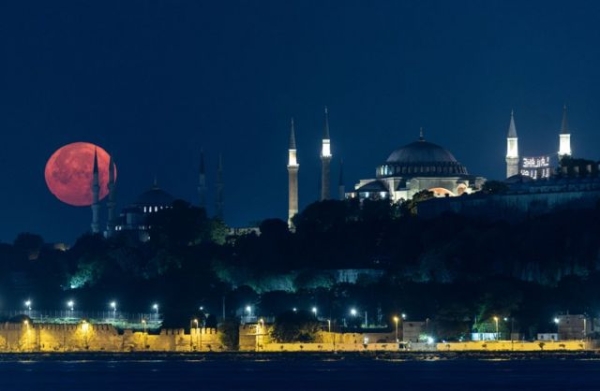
(325, 160)
(512, 149)
(564, 148)
(95, 196)
(292, 167)
(202, 182)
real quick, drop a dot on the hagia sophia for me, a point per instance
(417, 166)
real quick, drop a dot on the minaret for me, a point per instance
(110, 224)
(95, 195)
(341, 187)
(564, 148)
(219, 201)
(512, 149)
(292, 167)
(202, 182)
(325, 160)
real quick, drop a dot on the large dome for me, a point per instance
(421, 158)
(155, 197)
(421, 152)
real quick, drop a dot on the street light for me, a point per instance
(249, 311)
(155, 308)
(314, 310)
(71, 304)
(28, 305)
(396, 320)
(496, 320)
(353, 311)
(113, 305)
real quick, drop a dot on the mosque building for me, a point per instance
(418, 166)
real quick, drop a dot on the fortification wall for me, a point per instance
(15, 337)
(520, 346)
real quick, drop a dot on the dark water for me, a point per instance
(303, 374)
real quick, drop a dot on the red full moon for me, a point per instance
(69, 173)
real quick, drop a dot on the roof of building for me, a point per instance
(154, 197)
(421, 158)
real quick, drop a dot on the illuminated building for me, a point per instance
(535, 167)
(418, 166)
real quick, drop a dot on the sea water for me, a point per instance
(266, 374)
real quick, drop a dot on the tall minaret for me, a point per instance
(325, 160)
(564, 148)
(292, 167)
(110, 224)
(202, 182)
(512, 149)
(341, 187)
(95, 195)
(219, 198)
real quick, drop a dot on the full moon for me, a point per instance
(69, 173)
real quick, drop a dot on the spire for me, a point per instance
(326, 127)
(341, 187)
(564, 128)
(95, 195)
(219, 201)
(110, 226)
(202, 181)
(512, 129)
(292, 135)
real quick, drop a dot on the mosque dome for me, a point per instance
(155, 198)
(421, 158)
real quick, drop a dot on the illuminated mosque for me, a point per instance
(418, 166)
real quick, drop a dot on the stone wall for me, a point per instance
(520, 346)
(16, 337)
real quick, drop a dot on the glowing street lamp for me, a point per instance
(396, 320)
(28, 305)
(353, 311)
(113, 305)
(314, 311)
(71, 304)
(155, 308)
(249, 311)
(496, 320)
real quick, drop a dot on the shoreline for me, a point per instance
(294, 356)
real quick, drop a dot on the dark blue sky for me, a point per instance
(153, 82)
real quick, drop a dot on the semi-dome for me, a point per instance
(421, 158)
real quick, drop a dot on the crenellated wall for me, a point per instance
(15, 337)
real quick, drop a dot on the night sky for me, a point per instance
(154, 82)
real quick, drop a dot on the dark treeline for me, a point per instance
(455, 271)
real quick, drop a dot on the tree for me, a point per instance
(291, 326)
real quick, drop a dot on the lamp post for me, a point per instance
(249, 311)
(71, 305)
(28, 305)
(155, 308)
(113, 305)
(314, 311)
(396, 320)
(496, 320)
